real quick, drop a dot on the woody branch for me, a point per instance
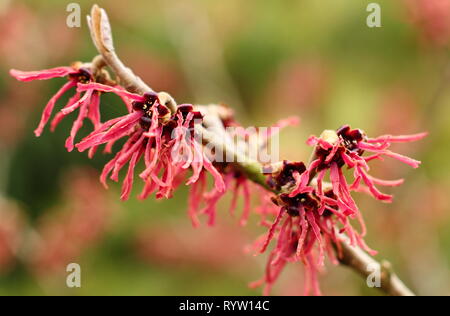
(351, 256)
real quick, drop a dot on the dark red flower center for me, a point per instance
(286, 175)
(351, 137)
(84, 76)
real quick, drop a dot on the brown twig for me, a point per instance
(102, 37)
(353, 257)
(359, 261)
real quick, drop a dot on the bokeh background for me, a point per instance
(266, 59)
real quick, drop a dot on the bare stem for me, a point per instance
(353, 257)
(101, 35)
(359, 261)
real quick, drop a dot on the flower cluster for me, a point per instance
(312, 213)
(312, 203)
(166, 141)
(88, 105)
(236, 181)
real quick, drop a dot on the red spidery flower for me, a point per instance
(313, 213)
(234, 181)
(312, 203)
(166, 141)
(310, 212)
(345, 148)
(87, 104)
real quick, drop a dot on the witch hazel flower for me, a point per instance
(310, 213)
(166, 142)
(346, 147)
(303, 229)
(307, 226)
(312, 203)
(87, 103)
(241, 187)
(293, 234)
(202, 201)
(313, 213)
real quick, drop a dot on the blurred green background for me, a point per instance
(267, 60)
